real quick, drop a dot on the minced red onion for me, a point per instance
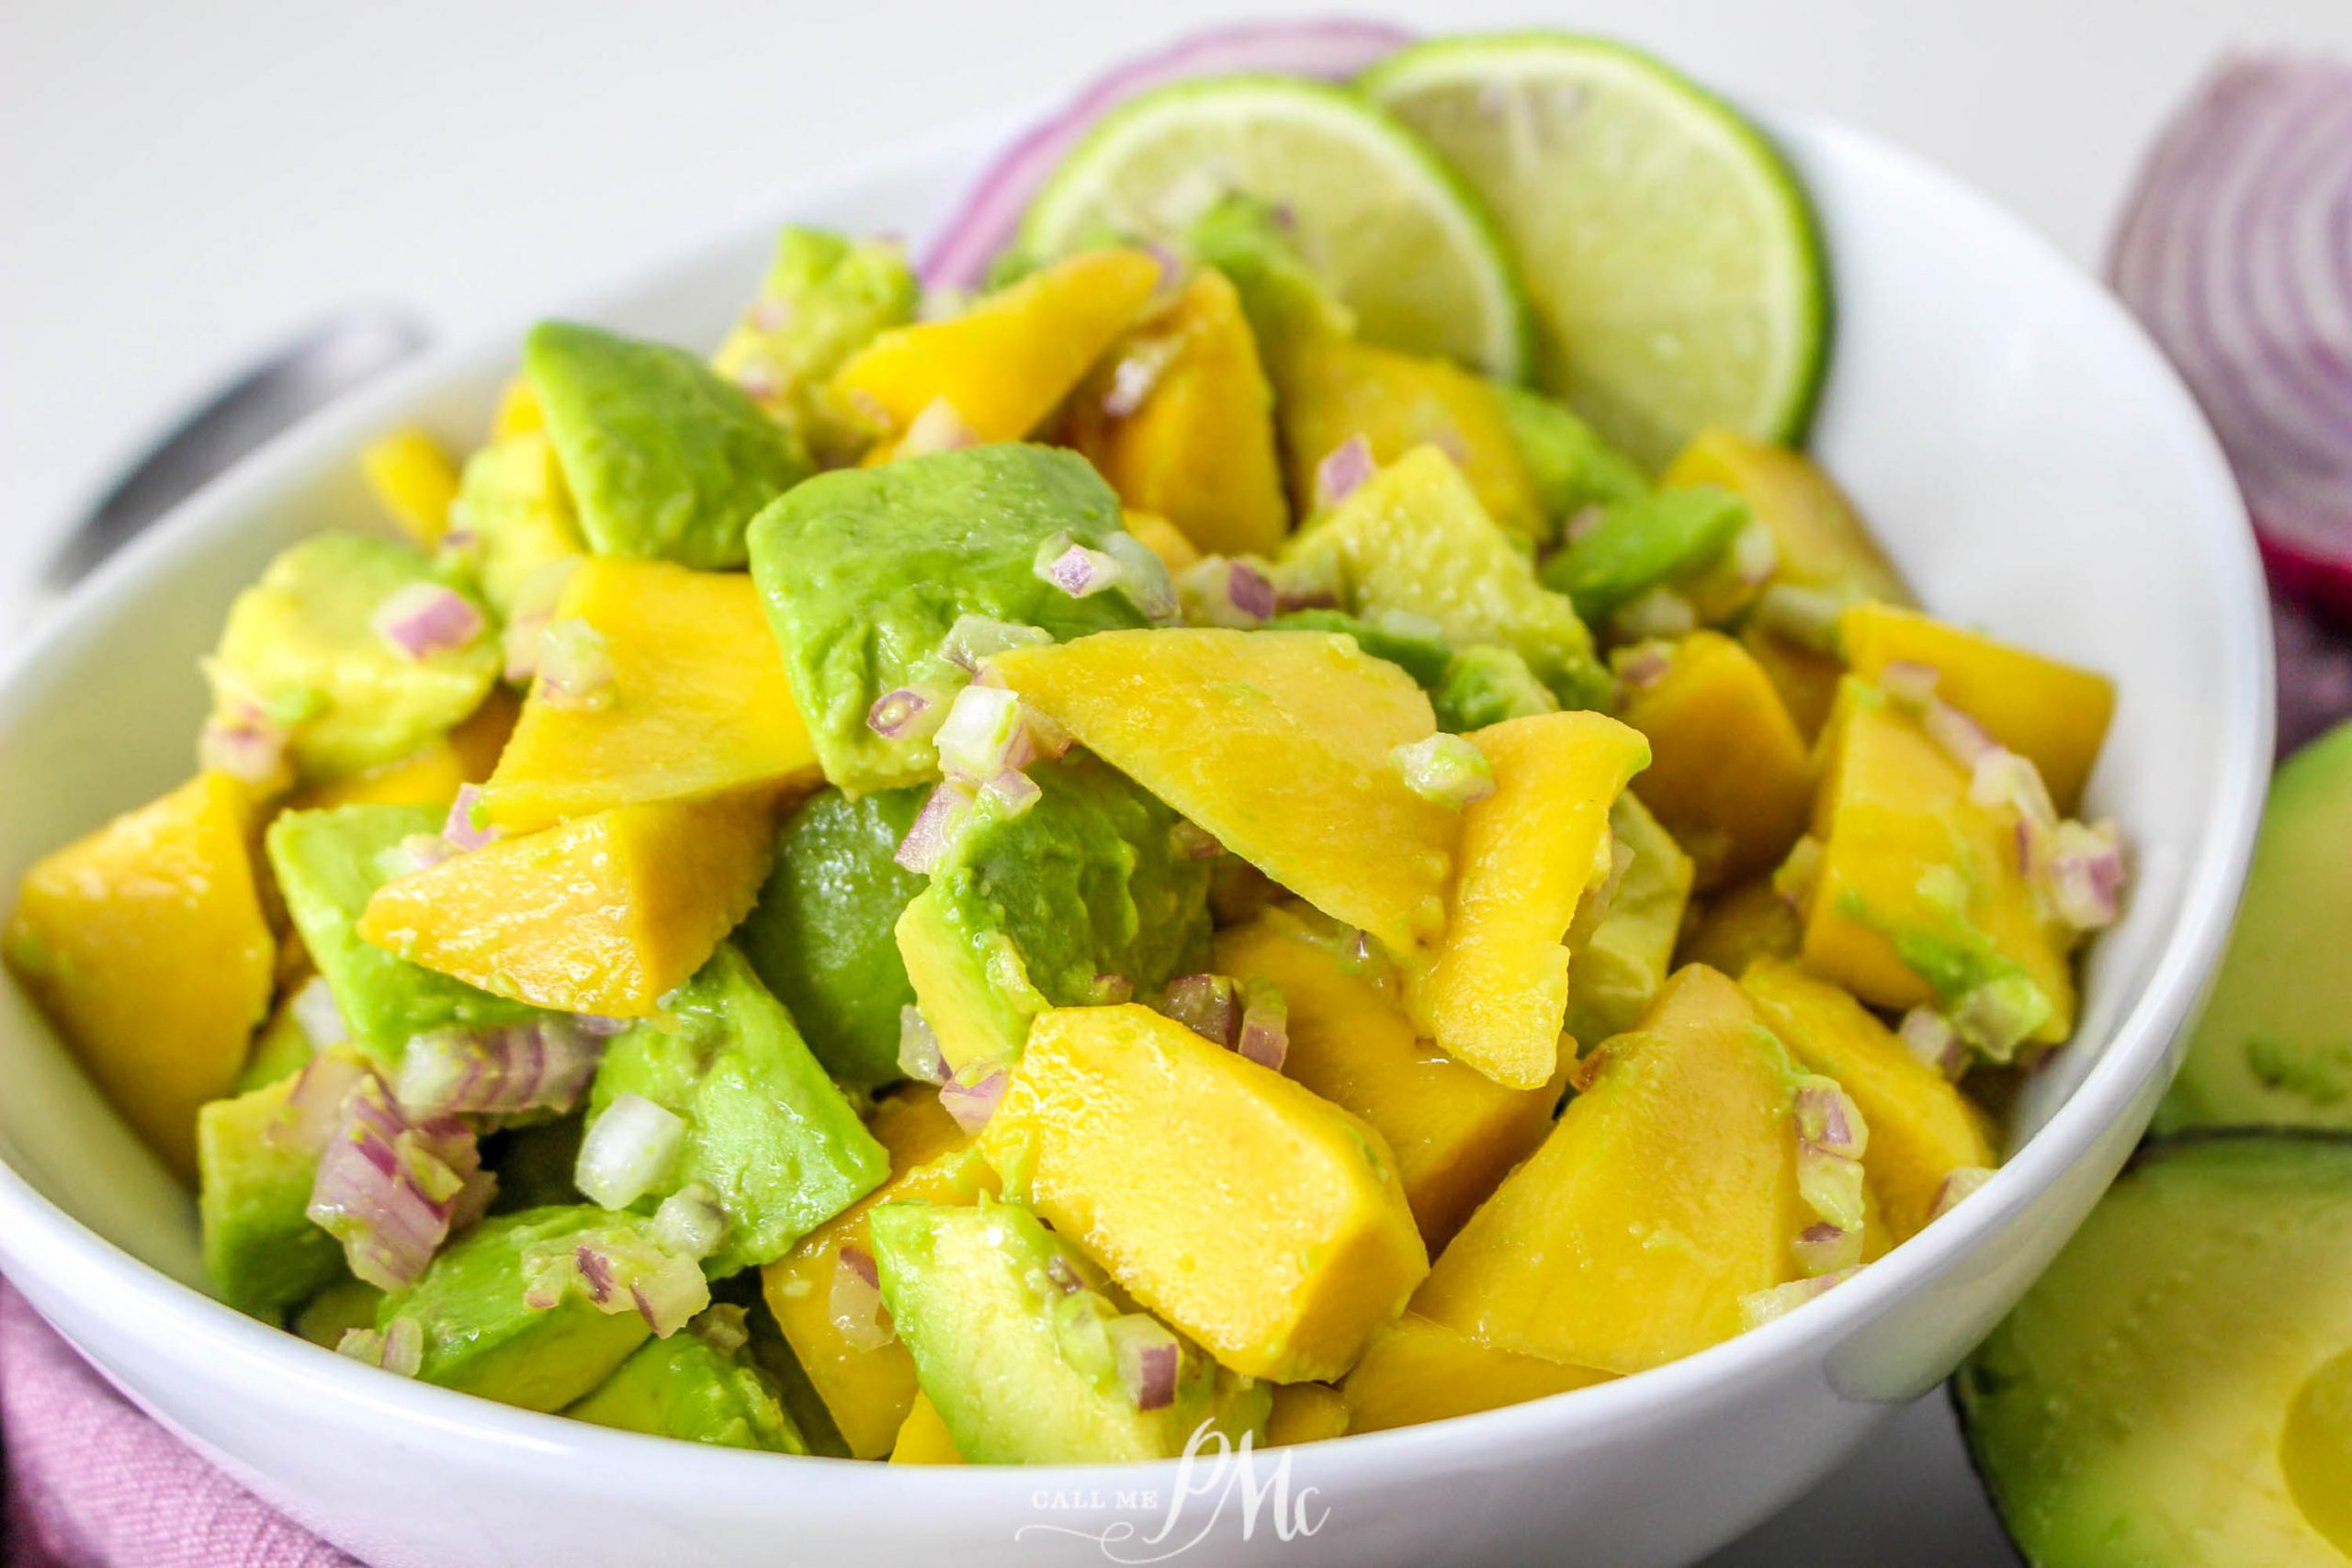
(1309, 581)
(1997, 1015)
(1656, 612)
(1929, 1036)
(421, 619)
(1143, 577)
(575, 666)
(630, 1147)
(1760, 1307)
(1076, 569)
(1218, 591)
(855, 1304)
(919, 1055)
(500, 1069)
(399, 1347)
(985, 731)
(2083, 873)
(1149, 1358)
(1828, 1119)
(534, 606)
(1264, 1034)
(617, 1268)
(459, 826)
(1446, 770)
(1342, 471)
(690, 1222)
(1824, 1249)
(1961, 737)
(1958, 1184)
(722, 1325)
(898, 715)
(1583, 523)
(1646, 663)
(975, 638)
(244, 744)
(317, 1015)
(313, 1107)
(1010, 792)
(1209, 1005)
(391, 1190)
(1138, 371)
(1831, 1185)
(972, 1101)
(940, 427)
(1806, 617)
(1755, 554)
(936, 826)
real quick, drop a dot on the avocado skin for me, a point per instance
(261, 1250)
(665, 458)
(682, 1387)
(864, 571)
(822, 935)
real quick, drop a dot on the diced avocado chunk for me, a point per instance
(822, 937)
(261, 1250)
(302, 645)
(866, 570)
(329, 863)
(346, 1305)
(281, 1049)
(1485, 685)
(766, 1131)
(2275, 1044)
(665, 458)
(1244, 239)
(1622, 964)
(2175, 1388)
(1014, 1345)
(1643, 543)
(687, 1387)
(479, 1335)
(513, 502)
(1571, 465)
(1412, 643)
(1042, 907)
(825, 296)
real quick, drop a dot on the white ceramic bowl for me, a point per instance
(2033, 464)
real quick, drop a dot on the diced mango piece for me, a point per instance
(1822, 541)
(518, 411)
(1921, 1127)
(602, 914)
(1729, 776)
(1161, 538)
(146, 945)
(1741, 925)
(1805, 677)
(1198, 448)
(870, 1389)
(1496, 994)
(2053, 714)
(1330, 390)
(698, 705)
(430, 777)
(1665, 1194)
(1416, 1369)
(1278, 744)
(923, 1437)
(413, 479)
(1008, 362)
(516, 507)
(1453, 1129)
(1306, 1413)
(1920, 897)
(1262, 1220)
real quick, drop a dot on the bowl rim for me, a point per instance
(39, 1240)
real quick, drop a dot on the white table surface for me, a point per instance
(183, 183)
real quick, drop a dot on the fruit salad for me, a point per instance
(1272, 800)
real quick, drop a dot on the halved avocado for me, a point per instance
(2177, 1392)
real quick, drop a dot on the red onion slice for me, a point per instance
(991, 214)
(421, 619)
(919, 1055)
(1343, 469)
(1760, 1307)
(1264, 1034)
(460, 828)
(936, 826)
(575, 666)
(1446, 770)
(616, 1269)
(1209, 1005)
(1149, 1358)
(391, 1191)
(2236, 252)
(971, 1101)
(855, 1303)
(502, 1070)
(244, 744)
(628, 1149)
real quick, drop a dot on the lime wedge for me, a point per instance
(1384, 224)
(1672, 256)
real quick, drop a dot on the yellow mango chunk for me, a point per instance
(1259, 1218)
(1278, 744)
(1199, 447)
(923, 1437)
(2054, 714)
(1416, 1369)
(1305, 1413)
(1453, 1129)
(870, 1389)
(1496, 996)
(1805, 678)
(146, 946)
(1742, 925)
(1821, 539)
(413, 479)
(1729, 776)
(698, 706)
(430, 777)
(1665, 1194)
(1920, 896)
(603, 914)
(1161, 538)
(1921, 1127)
(1331, 389)
(1008, 362)
(518, 411)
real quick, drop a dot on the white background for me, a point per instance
(182, 183)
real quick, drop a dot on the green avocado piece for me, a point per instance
(766, 1131)
(1571, 465)
(822, 937)
(480, 1337)
(2275, 1044)
(511, 500)
(1014, 1345)
(866, 570)
(665, 458)
(1245, 240)
(685, 1387)
(771, 1353)
(280, 1049)
(2175, 1389)
(1422, 653)
(825, 296)
(261, 1250)
(1612, 977)
(301, 645)
(1485, 685)
(329, 863)
(1030, 909)
(1642, 543)
(346, 1305)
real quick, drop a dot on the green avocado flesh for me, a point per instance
(823, 936)
(261, 1250)
(1612, 977)
(2275, 1046)
(825, 296)
(1643, 541)
(1485, 685)
(480, 1337)
(302, 645)
(1030, 910)
(1018, 1363)
(1571, 465)
(665, 458)
(866, 570)
(683, 1387)
(766, 1131)
(329, 863)
(2175, 1393)
(513, 498)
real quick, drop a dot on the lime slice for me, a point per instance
(1384, 224)
(1676, 271)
